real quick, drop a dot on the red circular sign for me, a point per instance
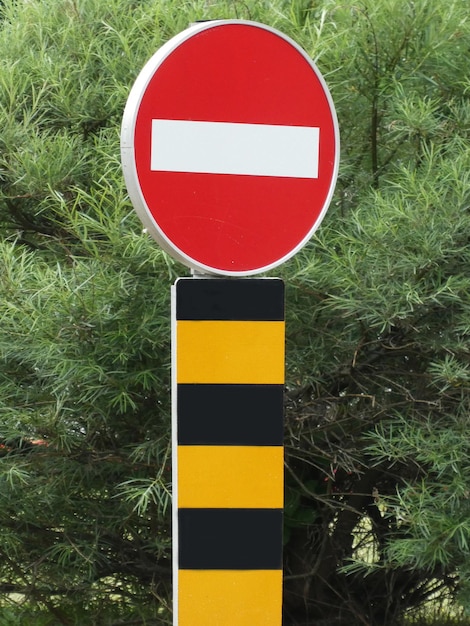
(230, 147)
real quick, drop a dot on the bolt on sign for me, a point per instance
(230, 150)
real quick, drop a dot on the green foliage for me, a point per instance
(377, 499)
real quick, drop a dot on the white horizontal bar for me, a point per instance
(227, 148)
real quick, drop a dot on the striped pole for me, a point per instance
(228, 376)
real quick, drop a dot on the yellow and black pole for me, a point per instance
(228, 367)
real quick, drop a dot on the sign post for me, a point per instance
(230, 149)
(228, 438)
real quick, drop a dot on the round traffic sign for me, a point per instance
(230, 147)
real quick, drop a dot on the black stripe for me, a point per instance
(230, 415)
(230, 538)
(245, 299)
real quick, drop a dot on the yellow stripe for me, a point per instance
(230, 352)
(230, 598)
(231, 477)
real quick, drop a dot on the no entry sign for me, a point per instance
(230, 147)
